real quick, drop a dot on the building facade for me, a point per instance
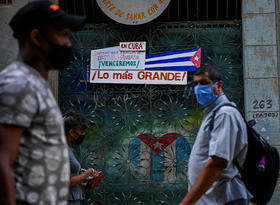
(239, 37)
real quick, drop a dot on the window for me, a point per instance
(5, 1)
(178, 10)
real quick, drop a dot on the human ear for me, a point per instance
(35, 37)
(220, 84)
(70, 132)
(218, 88)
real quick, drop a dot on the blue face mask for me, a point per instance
(205, 94)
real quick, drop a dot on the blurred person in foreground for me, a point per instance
(213, 177)
(75, 126)
(34, 165)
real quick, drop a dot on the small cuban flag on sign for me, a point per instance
(183, 60)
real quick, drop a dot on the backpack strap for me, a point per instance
(211, 126)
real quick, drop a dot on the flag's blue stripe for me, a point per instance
(157, 170)
(170, 53)
(174, 68)
(134, 151)
(182, 59)
(182, 154)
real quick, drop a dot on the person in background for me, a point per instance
(75, 126)
(34, 165)
(213, 177)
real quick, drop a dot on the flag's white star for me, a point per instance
(196, 58)
(158, 145)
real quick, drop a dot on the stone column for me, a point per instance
(261, 73)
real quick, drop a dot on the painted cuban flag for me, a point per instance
(183, 60)
(160, 159)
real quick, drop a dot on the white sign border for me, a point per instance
(106, 77)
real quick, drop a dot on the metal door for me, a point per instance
(141, 135)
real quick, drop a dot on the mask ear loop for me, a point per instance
(214, 86)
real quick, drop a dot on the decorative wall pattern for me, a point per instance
(141, 135)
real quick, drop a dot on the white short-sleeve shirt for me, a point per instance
(41, 168)
(227, 140)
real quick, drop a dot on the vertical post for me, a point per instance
(75, 6)
(178, 10)
(217, 9)
(261, 72)
(227, 9)
(236, 9)
(66, 6)
(188, 10)
(207, 9)
(93, 10)
(197, 9)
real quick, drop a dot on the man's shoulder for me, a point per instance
(14, 72)
(230, 112)
(228, 109)
(18, 76)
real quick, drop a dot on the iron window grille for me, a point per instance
(6, 2)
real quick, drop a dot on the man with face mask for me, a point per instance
(34, 165)
(213, 177)
(75, 126)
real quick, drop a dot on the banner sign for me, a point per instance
(139, 77)
(128, 64)
(114, 59)
(132, 46)
(133, 12)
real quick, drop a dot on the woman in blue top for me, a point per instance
(75, 126)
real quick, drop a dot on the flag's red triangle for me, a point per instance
(196, 59)
(158, 144)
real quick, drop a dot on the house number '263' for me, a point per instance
(262, 104)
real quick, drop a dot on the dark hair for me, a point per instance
(73, 120)
(213, 72)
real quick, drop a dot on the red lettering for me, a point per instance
(149, 75)
(177, 77)
(130, 76)
(93, 77)
(98, 75)
(102, 76)
(184, 76)
(141, 75)
(106, 75)
(156, 76)
(170, 76)
(163, 75)
(124, 45)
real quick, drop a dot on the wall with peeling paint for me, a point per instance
(261, 74)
